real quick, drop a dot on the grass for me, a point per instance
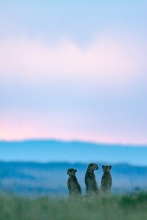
(129, 207)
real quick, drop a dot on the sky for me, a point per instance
(73, 70)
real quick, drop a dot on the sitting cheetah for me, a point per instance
(72, 183)
(90, 180)
(106, 180)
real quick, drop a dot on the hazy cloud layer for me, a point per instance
(105, 60)
(69, 92)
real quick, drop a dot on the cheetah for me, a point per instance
(106, 180)
(74, 187)
(90, 180)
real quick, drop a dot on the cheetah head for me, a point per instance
(106, 169)
(71, 172)
(93, 166)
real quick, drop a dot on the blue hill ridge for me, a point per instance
(73, 151)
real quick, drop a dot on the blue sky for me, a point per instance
(73, 70)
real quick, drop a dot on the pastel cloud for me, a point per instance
(103, 59)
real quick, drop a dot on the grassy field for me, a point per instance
(129, 207)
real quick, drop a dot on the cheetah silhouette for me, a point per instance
(74, 187)
(106, 180)
(90, 180)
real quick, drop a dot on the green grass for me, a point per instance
(129, 207)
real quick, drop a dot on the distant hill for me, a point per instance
(74, 151)
(29, 178)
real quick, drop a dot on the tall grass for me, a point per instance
(126, 207)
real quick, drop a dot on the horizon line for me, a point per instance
(72, 141)
(72, 162)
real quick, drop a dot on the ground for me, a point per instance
(130, 207)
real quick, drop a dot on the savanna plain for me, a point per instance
(127, 206)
